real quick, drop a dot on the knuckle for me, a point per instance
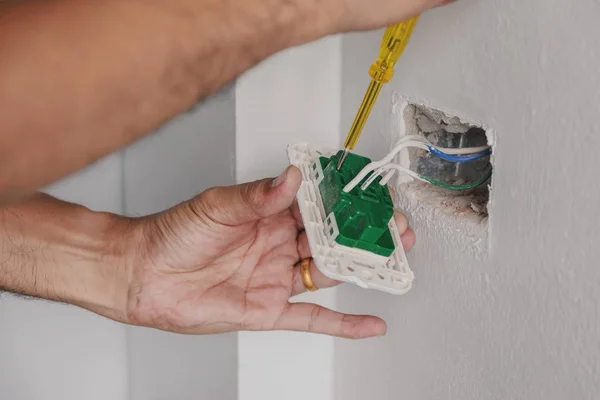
(207, 207)
(209, 196)
(252, 193)
(247, 194)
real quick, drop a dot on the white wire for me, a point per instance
(413, 137)
(417, 141)
(405, 170)
(372, 178)
(447, 150)
(461, 151)
(378, 164)
(390, 169)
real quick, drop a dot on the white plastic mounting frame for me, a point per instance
(342, 263)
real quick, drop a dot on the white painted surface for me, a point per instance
(193, 152)
(292, 97)
(58, 352)
(190, 154)
(521, 322)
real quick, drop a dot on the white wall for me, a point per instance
(521, 322)
(293, 97)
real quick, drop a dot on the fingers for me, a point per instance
(297, 215)
(407, 235)
(392, 194)
(303, 317)
(408, 240)
(239, 204)
(319, 280)
(401, 222)
(303, 247)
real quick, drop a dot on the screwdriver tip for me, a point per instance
(342, 159)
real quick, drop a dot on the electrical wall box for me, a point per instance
(353, 236)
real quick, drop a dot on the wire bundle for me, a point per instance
(389, 168)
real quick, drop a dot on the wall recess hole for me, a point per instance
(448, 131)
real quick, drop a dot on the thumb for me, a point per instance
(248, 202)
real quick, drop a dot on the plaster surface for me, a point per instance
(514, 315)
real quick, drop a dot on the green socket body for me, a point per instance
(362, 216)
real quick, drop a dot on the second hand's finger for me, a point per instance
(408, 240)
(319, 280)
(392, 194)
(303, 247)
(297, 215)
(401, 222)
(407, 235)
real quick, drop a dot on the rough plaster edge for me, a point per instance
(400, 102)
(463, 234)
(472, 233)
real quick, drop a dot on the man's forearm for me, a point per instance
(82, 78)
(63, 252)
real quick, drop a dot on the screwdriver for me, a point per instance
(393, 44)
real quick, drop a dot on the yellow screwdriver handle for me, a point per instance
(394, 42)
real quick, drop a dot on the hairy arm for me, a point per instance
(64, 252)
(82, 78)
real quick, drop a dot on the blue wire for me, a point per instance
(459, 159)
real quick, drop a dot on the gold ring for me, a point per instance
(306, 278)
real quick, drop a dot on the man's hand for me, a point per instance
(227, 261)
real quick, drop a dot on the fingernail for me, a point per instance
(445, 2)
(280, 179)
